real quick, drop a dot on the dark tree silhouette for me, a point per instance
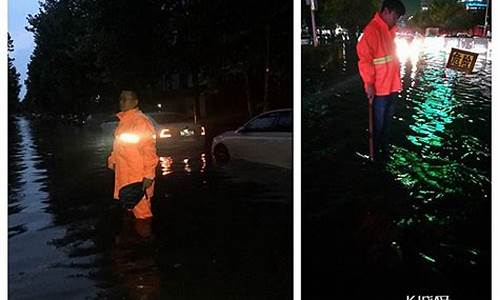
(88, 50)
(14, 87)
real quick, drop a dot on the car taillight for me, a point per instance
(202, 130)
(165, 133)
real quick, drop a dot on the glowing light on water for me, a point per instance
(402, 49)
(434, 44)
(409, 51)
(443, 161)
(203, 162)
(416, 48)
(432, 115)
(187, 166)
(166, 165)
(435, 104)
(427, 258)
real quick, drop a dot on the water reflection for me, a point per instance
(410, 49)
(203, 163)
(168, 164)
(26, 186)
(133, 261)
(343, 57)
(35, 255)
(446, 121)
(187, 167)
(429, 229)
(432, 112)
(64, 225)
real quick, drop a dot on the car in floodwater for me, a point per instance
(265, 139)
(173, 130)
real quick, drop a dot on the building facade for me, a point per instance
(475, 4)
(469, 4)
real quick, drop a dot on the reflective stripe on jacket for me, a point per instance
(378, 63)
(134, 150)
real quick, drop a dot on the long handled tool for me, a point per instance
(370, 155)
(370, 129)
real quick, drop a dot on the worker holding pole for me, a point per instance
(379, 68)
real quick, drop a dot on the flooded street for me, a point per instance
(421, 224)
(219, 232)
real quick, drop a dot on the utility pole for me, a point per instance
(486, 18)
(267, 69)
(314, 6)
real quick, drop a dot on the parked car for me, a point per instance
(266, 139)
(173, 130)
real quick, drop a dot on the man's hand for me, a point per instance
(146, 183)
(111, 167)
(370, 92)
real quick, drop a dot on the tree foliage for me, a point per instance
(350, 14)
(446, 14)
(14, 86)
(86, 48)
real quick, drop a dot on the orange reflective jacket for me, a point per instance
(378, 63)
(134, 156)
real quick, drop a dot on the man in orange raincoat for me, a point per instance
(134, 156)
(379, 68)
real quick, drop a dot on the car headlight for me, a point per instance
(165, 133)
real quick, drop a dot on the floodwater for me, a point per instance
(420, 225)
(218, 232)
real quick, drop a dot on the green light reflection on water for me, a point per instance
(431, 166)
(427, 258)
(442, 160)
(434, 112)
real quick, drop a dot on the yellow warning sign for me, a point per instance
(462, 60)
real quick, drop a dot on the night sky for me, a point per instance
(18, 11)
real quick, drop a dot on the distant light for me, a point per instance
(187, 132)
(204, 162)
(165, 133)
(166, 165)
(434, 44)
(159, 105)
(187, 167)
(408, 50)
